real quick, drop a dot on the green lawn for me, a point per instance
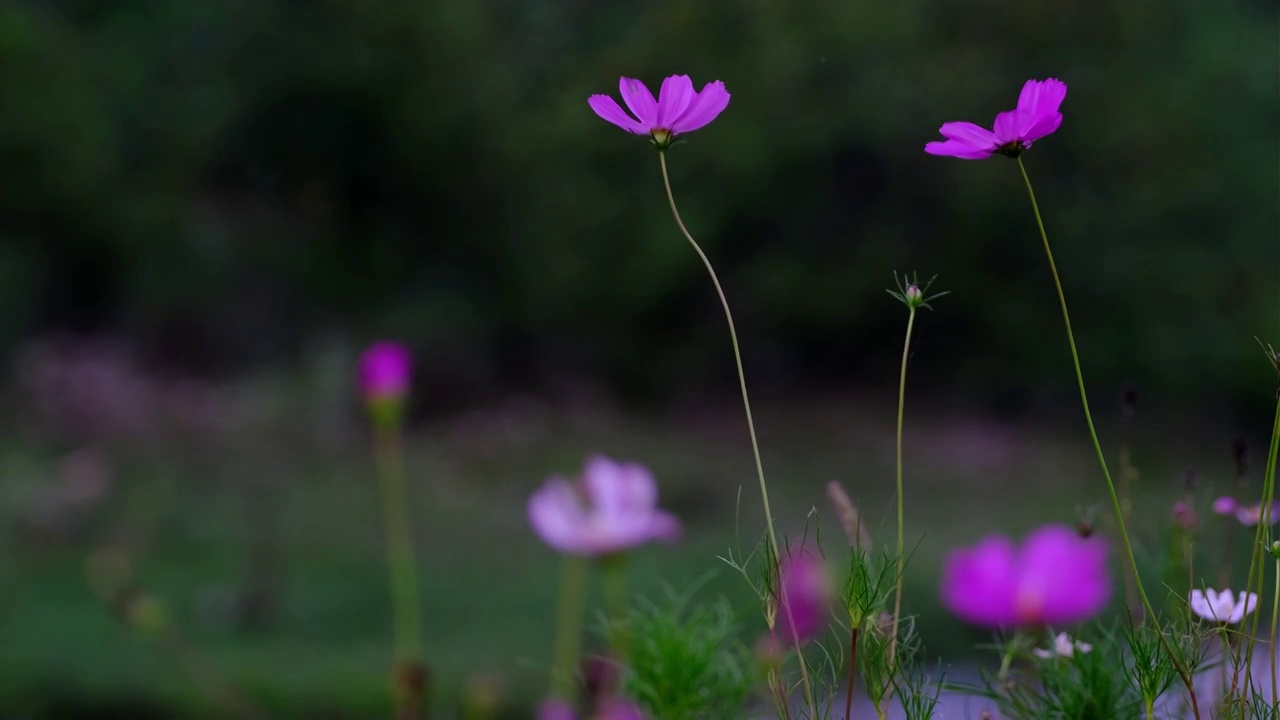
(489, 584)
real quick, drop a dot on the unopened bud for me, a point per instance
(914, 296)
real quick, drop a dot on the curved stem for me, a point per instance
(573, 595)
(1257, 560)
(902, 400)
(746, 401)
(1275, 615)
(1183, 672)
(389, 457)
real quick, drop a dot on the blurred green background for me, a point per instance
(207, 208)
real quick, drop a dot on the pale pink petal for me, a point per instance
(705, 107)
(639, 100)
(558, 517)
(664, 526)
(956, 149)
(619, 490)
(607, 108)
(674, 98)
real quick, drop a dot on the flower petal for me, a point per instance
(619, 491)
(1008, 127)
(956, 149)
(557, 516)
(1042, 126)
(979, 138)
(1063, 575)
(978, 583)
(664, 526)
(674, 98)
(608, 108)
(705, 107)
(1039, 98)
(639, 100)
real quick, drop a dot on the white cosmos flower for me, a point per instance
(1063, 647)
(1223, 607)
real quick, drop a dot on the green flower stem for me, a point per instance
(572, 602)
(746, 405)
(614, 569)
(1275, 615)
(1183, 672)
(902, 399)
(389, 460)
(1257, 561)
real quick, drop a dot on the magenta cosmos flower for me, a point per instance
(679, 108)
(1055, 578)
(804, 598)
(384, 371)
(1036, 116)
(613, 509)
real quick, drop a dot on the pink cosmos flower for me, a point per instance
(612, 510)
(385, 371)
(1224, 505)
(1055, 578)
(1252, 514)
(679, 108)
(804, 598)
(1014, 130)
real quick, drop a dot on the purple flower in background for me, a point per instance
(1055, 578)
(679, 108)
(1037, 115)
(612, 510)
(609, 710)
(1252, 514)
(1224, 505)
(804, 597)
(1184, 515)
(555, 710)
(385, 371)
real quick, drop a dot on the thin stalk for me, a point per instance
(853, 673)
(615, 587)
(1275, 615)
(1126, 473)
(1183, 672)
(746, 404)
(568, 644)
(389, 460)
(1151, 709)
(902, 399)
(1257, 561)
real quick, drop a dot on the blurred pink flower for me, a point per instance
(1056, 577)
(1224, 505)
(1252, 514)
(679, 108)
(1014, 130)
(804, 598)
(555, 710)
(385, 371)
(1184, 515)
(609, 710)
(612, 510)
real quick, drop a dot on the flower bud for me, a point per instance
(384, 370)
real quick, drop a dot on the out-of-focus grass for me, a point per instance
(488, 584)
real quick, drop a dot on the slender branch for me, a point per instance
(746, 404)
(853, 673)
(902, 399)
(1183, 671)
(389, 458)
